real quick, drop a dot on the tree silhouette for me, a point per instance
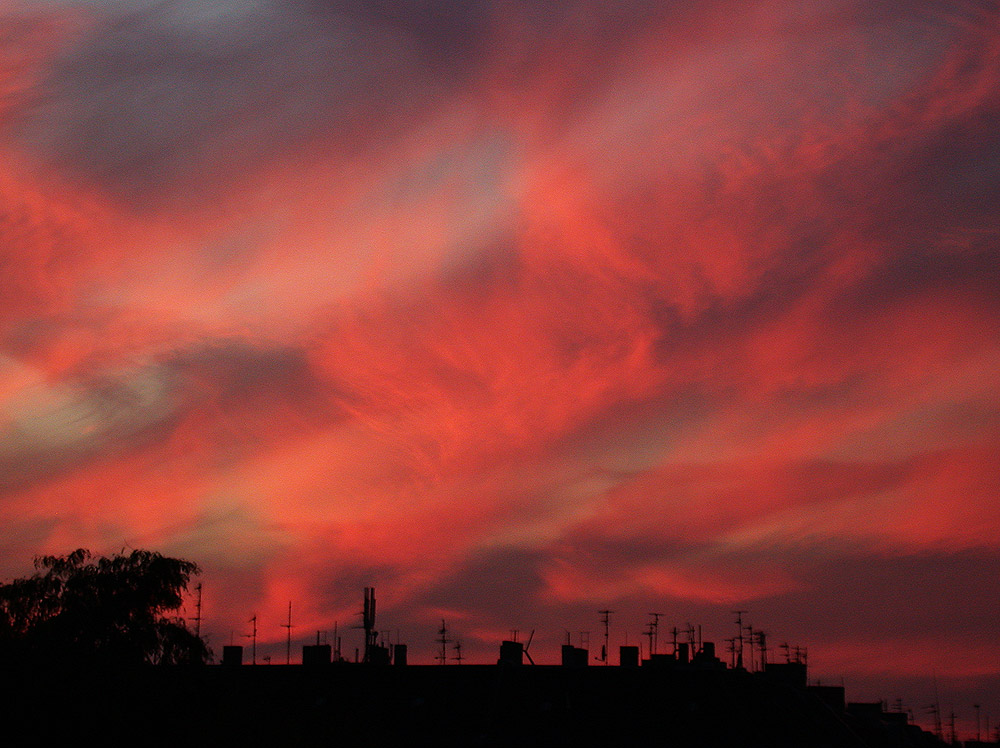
(111, 611)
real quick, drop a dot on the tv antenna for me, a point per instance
(606, 620)
(197, 614)
(691, 638)
(458, 652)
(762, 648)
(652, 632)
(252, 636)
(444, 641)
(368, 622)
(528, 644)
(739, 637)
(288, 639)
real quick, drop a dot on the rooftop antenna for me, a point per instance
(527, 645)
(750, 639)
(690, 634)
(444, 641)
(762, 648)
(197, 609)
(458, 652)
(674, 632)
(978, 733)
(654, 629)
(253, 639)
(288, 639)
(606, 620)
(787, 650)
(935, 711)
(739, 637)
(368, 622)
(336, 644)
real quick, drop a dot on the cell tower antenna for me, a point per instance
(252, 636)
(444, 641)
(288, 638)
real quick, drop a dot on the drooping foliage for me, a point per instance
(110, 610)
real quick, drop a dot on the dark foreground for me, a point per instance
(468, 705)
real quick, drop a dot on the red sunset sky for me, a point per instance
(517, 310)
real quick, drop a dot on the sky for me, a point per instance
(517, 310)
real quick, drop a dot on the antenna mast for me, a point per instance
(368, 621)
(197, 612)
(653, 633)
(288, 640)
(444, 641)
(606, 620)
(253, 639)
(738, 643)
